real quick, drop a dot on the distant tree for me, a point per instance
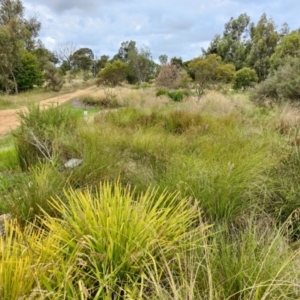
(163, 59)
(44, 55)
(140, 63)
(177, 61)
(99, 64)
(28, 74)
(64, 52)
(264, 39)
(289, 46)
(124, 50)
(204, 72)
(53, 78)
(82, 59)
(113, 73)
(213, 46)
(235, 44)
(64, 68)
(244, 78)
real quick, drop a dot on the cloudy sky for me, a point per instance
(173, 27)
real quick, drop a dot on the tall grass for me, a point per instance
(113, 237)
(35, 140)
(221, 160)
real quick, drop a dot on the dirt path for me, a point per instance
(9, 117)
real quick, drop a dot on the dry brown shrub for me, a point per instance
(169, 76)
(288, 119)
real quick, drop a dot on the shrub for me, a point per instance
(113, 73)
(35, 139)
(168, 76)
(283, 84)
(176, 96)
(161, 92)
(113, 237)
(29, 74)
(53, 78)
(244, 78)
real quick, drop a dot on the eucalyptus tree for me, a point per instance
(264, 41)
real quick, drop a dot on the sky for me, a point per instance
(173, 27)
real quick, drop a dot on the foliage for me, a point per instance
(176, 61)
(161, 92)
(234, 45)
(43, 55)
(140, 63)
(16, 34)
(168, 76)
(225, 73)
(121, 243)
(289, 46)
(124, 50)
(176, 96)
(113, 73)
(283, 84)
(100, 63)
(35, 139)
(28, 74)
(244, 78)
(224, 160)
(206, 71)
(31, 198)
(82, 59)
(53, 78)
(265, 39)
(163, 59)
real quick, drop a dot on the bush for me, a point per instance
(168, 76)
(161, 92)
(35, 139)
(283, 84)
(110, 238)
(29, 74)
(244, 78)
(113, 73)
(53, 78)
(176, 96)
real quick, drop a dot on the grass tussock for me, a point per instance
(172, 200)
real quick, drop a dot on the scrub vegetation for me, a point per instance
(170, 181)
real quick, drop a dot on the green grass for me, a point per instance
(183, 201)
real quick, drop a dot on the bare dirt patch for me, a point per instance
(9, 118)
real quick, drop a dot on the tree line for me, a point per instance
(244, 53)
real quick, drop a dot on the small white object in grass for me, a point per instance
(73, 162)
(85, 113)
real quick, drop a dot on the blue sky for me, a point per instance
(172, 27)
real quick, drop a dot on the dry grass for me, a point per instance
(39, 94)
(127, 96)
(216, 103)
(287, 118)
